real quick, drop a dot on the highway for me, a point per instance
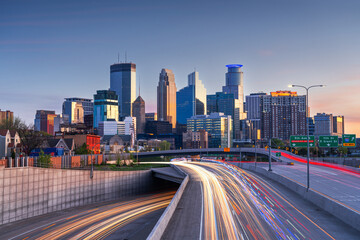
(116, 220)
(237, 204)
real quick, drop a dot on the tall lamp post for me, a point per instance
(307, 129)
(92, 164)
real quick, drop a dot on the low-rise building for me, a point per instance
(197, 139)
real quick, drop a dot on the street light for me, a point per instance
(92, 165)
(307, 128)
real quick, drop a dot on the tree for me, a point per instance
(44, 160)
(30, 139)
(82, 150)
(165, 145)
(343, 151)
(275, 143)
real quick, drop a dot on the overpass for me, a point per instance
(203, 151)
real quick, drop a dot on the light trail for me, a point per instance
(239, 205)
(102, 222)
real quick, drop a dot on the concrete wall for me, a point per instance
(26, 192)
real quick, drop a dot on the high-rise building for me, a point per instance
(226, 103)
(158, 127)
(218, 126)
(107, 128)
(123, 82)
(166, 97)
(323, 124)
(338, 125)
(77, 109)
(6, 115)
(234, 82)
(191, 100)
(47, 121)
(105, 107)
(311, 126)
(139, 114)
(284, 114)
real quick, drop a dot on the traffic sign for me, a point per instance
(226, 149)
(328, 141)
(349, 140)
(301, 141)
(278, 154)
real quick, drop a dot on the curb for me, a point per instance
(164, 220)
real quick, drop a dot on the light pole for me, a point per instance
(92, 165)
(307, 129)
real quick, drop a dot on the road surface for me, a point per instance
(240, 205)
(131, 219)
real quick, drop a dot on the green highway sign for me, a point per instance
(328, 141)
(301, 141)
(349, 140)
(278, 154)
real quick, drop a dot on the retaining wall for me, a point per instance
(164, 220)
(339, 210)
(27, 191)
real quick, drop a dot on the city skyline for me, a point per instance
(322, 50)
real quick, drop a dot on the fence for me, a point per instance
(63, 162)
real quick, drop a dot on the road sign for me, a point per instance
(349, 140)
(328, 141)
(301, 141)
(278, 154)
(226, 149)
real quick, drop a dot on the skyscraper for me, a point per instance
(234, 84)
(76, 109)
(139, 113)
(338, 125)
(123, 82)
(226, 103)
(191, 100)
(218, 125)
(105, 107)
(166, 97)
(6, 115)
(323, 124)
(284, 115)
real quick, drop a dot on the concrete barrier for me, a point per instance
(164, 220)
(332, 206)
(27, 192)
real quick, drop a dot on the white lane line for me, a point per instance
(202, 212)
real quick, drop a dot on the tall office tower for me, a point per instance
(6, 115)
(76, 109)
(47, 121)
(218, 125)
(338, 125)
(226, 103)
(254, 109)
(323, 124)
(105, 107)
(284, 115)
(123, 82)
(139, 113)
(166, 97)
(191, 100)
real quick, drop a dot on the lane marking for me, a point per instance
(48, 226)
(202, 211)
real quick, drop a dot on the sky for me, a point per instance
(51, 50)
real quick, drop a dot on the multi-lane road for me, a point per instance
(237, 204)
(131, 219)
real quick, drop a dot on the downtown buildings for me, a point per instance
(105, 107)
(327, 124)
(6, 116)
(166, 97)
(123, 83)
(191, 100)
(47, 121)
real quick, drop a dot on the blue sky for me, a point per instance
(50, 50)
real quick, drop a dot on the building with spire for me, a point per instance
(166, 97)
(123, 82)
(139, 113)
(191, 100)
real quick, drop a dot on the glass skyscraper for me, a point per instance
(191, 100)
(225, 103)
(105, 107)
(218, 126)
(76, 109)
(123, 82)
